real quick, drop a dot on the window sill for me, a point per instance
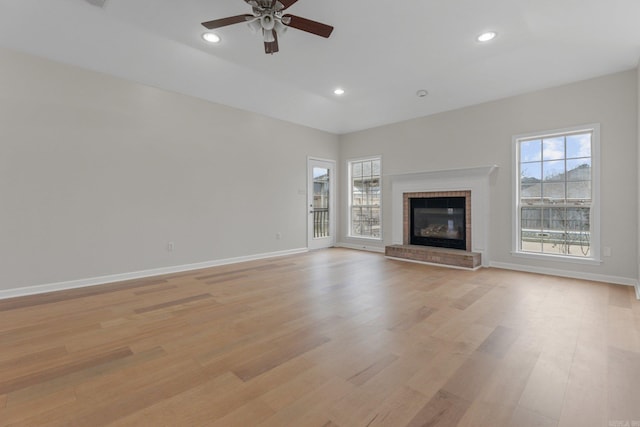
(557, 258)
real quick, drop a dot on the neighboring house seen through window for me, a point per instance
(556, 211)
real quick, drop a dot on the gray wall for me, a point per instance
(98, 174)
(481, 135)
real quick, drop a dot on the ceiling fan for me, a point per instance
(268, 17)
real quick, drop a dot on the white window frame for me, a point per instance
(595, 257)
(350, 198)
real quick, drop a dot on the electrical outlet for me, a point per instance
(606, 251)
(278, 236)
(170, 247)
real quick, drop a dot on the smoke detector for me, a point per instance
(99, 3)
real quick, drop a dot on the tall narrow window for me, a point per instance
(364, 198)
(555, 203)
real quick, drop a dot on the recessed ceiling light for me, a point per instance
(485, 37)
(211, 38)
(339, 91)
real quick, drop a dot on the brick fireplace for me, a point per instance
(471, 183)
(406, 211)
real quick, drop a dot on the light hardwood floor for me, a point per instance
(329, 338)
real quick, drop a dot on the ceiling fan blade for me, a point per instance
(272, 47)
(285, 3)
(307, 25)
(217, 23)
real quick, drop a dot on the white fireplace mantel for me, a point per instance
(475, 179)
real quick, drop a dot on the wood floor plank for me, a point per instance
(619, 334)
(327, 338)
(509, 380)
(472, 376)
(546, 387)
(409, 321)
(586, 397)
(623, 380)
(139, 399)
(498, 343)
(398, 408)
(31, 360)
(155, 289)
(287, 383)
(434, 375)
(26, 380)
(523, 417)
(284, 350)
(207, 399)
(245, 415)
(173, 303)
(77, 379)
(485, 414)
(463, 302)
(620, 296)
(443, 410)
(23, 411)
(370, 371)
(54, 297)
(310, 408)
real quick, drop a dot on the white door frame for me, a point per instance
(321, 242)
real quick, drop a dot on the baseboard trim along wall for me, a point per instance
(94, 281)
(571, 274)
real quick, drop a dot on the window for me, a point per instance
(364, 198)
(556, 193)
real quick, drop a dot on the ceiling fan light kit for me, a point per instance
(268, 18)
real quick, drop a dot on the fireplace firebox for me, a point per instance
(438, 221)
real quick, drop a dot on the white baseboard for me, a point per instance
(93, 281)
(361, 247)
(571, 274)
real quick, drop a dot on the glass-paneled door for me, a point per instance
(320, 203)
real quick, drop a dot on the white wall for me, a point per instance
(481, 135)
(98, 174)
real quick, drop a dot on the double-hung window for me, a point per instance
(556, 183)
(364, 198)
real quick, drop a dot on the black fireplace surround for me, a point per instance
(438, 221)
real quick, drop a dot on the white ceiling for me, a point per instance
(381, 53)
